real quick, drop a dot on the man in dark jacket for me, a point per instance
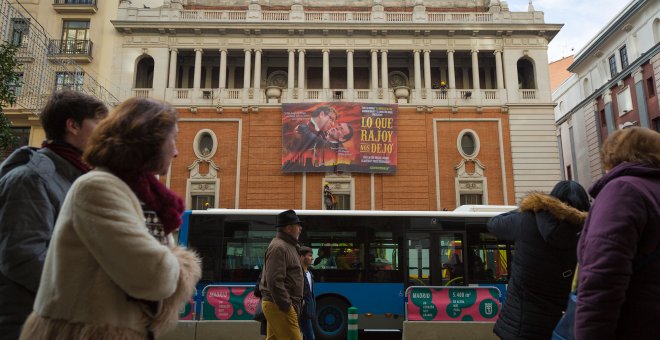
(308, 313)
(282, 279)
(33, 184)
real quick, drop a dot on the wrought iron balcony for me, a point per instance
(75, 6)
(78, 50)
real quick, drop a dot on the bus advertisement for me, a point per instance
(364, 259)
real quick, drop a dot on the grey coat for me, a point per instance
(33, 184)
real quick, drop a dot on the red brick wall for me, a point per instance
(264, 185)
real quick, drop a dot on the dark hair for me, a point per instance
(327, 109)
(64, 105)
(132, 137)
(633, 144)
(349, 135)
(304, 250)
(571, 193)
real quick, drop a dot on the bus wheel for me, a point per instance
(331, 318)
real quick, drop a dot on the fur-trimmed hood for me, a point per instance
(554, 218)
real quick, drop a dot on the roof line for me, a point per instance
(646, 56)
(602, 36)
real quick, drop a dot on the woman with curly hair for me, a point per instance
(619, 279)
(112, 270)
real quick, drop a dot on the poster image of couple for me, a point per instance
(339, 137)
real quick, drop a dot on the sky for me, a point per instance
(582, 20)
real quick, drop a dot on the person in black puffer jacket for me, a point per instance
(545, 230)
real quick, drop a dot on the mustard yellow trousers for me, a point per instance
(281, 325)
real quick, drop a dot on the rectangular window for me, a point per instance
(650, 87)
(69, 81)
(603, 122)
(623, 53)
(612, 61)
(202, 202)
(75, 37)
(656, 124)
(16, 87)
(471, 199)
(569, 173)
(19, 31)
(337, 194)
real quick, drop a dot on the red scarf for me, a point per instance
(68, 152)
(168, 206)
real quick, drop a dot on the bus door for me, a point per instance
(451, 258)
(435, 259)
(418, 262)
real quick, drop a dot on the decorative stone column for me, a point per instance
(498, 70)
(223, 68)
(198, 69)
(349, 69)
(172, 77)
(384, 70)
(257, 70)
(418, 73)
(374, 69)
(291, 71)
(475, 70)
(301, 72)
(427, 72)
(326, 68)
(450, 69)
(246, 73)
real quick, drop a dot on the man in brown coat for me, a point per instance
(282, 280)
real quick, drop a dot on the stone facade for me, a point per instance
(614, 82)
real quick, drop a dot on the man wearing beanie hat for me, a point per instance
(282, 279)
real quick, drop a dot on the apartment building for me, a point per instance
(614, 84)
(62, 44)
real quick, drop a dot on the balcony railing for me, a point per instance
(315, 16)
(74, 6)
(70, 47)
(143, 93)
(527, 94)
(74, 2)
(253, 96)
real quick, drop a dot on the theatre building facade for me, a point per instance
(386, 105)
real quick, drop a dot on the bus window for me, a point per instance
(451, 255)
(338, 255)
(488, 260)
(244, 250)
(383, 261)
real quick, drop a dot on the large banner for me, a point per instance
(339, 137)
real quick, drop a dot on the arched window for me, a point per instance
(144, 75)
(526, 78)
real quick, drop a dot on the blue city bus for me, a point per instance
(364, 259)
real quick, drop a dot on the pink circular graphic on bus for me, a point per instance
(250, 303)
(218, 297)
